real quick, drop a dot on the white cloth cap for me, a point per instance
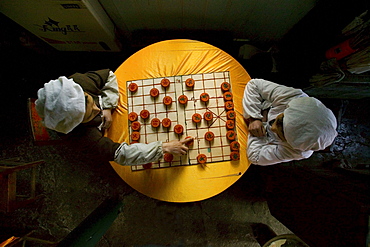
(308, 124)
(61, 104)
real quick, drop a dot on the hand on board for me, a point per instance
(176, 147)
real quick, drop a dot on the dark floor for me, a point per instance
(72, 189)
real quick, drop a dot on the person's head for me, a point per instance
(308, 124)
(61, 104)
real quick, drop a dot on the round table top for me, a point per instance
(173, 58)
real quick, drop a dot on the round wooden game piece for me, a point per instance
(201, 158)
(225, 86)
(209, 136)
(133, 87)
(228, 96)
(234, 155)
(229, 105)
(231, 115)
(179, 129)
(135, 136)
(204, 97)
(230, 124)
(190, 142)
(148, 166)
(167, 100)
(196, 118)
(234, 146)
(166, 122)
(135, 125)
(155, 122)
(231, 135)
(154, 92)
(168, 157)
(132, 116)
(208, 116)
(183, 99)
(190, 82)
(144, 114)
(165, 83)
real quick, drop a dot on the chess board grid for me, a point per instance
(218, 150)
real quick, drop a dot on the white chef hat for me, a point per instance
(309, 125)
(61, 104)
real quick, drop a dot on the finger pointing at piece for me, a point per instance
(187, 140)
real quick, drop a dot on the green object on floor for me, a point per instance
(93, 227)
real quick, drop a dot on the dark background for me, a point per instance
(324, 200)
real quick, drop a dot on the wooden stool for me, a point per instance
(9, 200)
(19, 238)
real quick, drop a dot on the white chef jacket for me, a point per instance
(260, 95)
(110, 93)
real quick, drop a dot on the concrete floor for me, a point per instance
(73, 189)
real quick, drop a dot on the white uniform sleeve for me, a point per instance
(260, 94)
(138, 153)
(260, 152)
(110, 93)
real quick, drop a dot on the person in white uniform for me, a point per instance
(284, 123)
(79, 109)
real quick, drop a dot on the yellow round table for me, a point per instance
(174, 58)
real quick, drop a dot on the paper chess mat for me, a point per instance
(175, 107)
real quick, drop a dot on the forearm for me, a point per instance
(252, 102)
(110, 93)
(138, 153)
(260, 95)
(262, 153)
(254, 147)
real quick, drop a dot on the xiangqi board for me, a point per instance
(173, 108)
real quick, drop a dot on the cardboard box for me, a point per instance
(80, 25)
